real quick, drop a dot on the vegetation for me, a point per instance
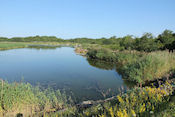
(139, 59)
(7, 45)
(23, 98)
(137, 102)
(37, 45)
(146, 43)
(32, 39)
(149, 67)
(136, 66)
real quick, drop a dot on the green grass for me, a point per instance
(11, 45)
(26, 99)
(140, 67)
(14, 45)
(149, 67)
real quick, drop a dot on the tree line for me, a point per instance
(147, 42)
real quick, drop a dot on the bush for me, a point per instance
(102, 54)
(149, 67)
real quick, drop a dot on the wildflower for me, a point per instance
(102, 115)
(125, 113)
(120, 113)
(152, 107)
(133, 113)
(120, 99)
(142, 109)
(111, 112)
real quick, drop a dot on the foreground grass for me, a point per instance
(23, 98)
(142, 102)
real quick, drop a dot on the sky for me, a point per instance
(85, 18)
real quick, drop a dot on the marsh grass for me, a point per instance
(11, 45)
(46, 45)
(149, 67)
(28, 100)
(140, 67)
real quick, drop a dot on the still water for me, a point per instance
(61, 68)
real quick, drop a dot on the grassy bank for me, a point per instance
(15, 45)
(22, 98)
(11, 45)
(140, 67)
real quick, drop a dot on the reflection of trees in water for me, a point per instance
(43, 46)
(129, 84)
(109, 66)
(101, 64)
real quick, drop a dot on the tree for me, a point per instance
(146, 43)
(167, 38)
(107, 41)
(126, 42)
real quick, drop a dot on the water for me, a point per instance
(61, 68)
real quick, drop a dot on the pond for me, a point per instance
(61, 68)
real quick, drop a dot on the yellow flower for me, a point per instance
(133, 113)
(152, 107)
(102, 115)
(120, 113)
(125, 113)
(111, 112)
(120, 99)
(142, 109)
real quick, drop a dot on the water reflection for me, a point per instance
(101, 64)
(61, 68)
(43, 46)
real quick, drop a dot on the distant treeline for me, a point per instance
(147, 42)
(32, 39)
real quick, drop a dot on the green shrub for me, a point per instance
(150, 67)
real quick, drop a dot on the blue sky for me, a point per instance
(85, 18)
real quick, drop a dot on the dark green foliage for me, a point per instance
(167, 38)
(127, 42)
(107, 42)
(146, 43)
(102, 54)
(101, 64)
(3, 39)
